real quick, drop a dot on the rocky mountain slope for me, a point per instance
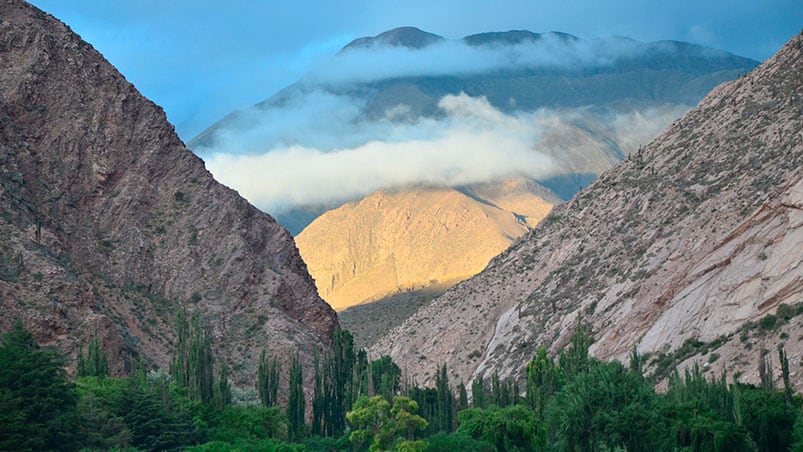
(692, 250)
(108, 224)
(413, 239)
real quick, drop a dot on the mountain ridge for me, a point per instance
(692, 240)
(110, 224)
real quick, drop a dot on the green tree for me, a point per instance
(295, 400)
(445, 402)
(543, 380)
(37, 403)
(574, 359)
(380, 427)
(96, 363)
(268, 380)
(768, 418)
(386, 376)
(462, 398)
(479, 395)
(223, 394)
(605, 407)
(510, 428)
(192, 365)
(201, 361)
(449, 442)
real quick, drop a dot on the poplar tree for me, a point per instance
(295, 402)
(268, 380)
(192, 365)
(444, 402)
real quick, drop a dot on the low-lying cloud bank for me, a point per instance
(296, 156)
(473, 143)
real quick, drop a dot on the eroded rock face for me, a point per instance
(108, 223)
(694, 237)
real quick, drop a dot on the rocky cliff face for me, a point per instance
(425, 238)
(108, 223)
(692, 250)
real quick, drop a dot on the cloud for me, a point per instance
(455, 57)
(472, 143)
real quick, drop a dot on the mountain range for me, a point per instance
(423, 116)
(689, 251)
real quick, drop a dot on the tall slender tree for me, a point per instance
(268, 380)
(295, 402)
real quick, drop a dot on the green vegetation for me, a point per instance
(570, 402)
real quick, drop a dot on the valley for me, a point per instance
(512, 240)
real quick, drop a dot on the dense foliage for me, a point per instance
(571, 402)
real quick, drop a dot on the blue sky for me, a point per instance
(201, 59)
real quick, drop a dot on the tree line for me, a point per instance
(567, 402)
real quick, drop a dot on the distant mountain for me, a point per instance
(512, 37)
(409, 37)
(416, 238)
(581, 105)
(690, 250)
(627, 76)
(109, 225)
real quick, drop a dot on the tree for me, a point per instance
(605, 407)
(223, 387)
(479, 396)
(192, 365)
(462, 398)
(37, 403)
(380, 427)
(543, 380)
(574, 359)
(95, 364)
(295, 400)
(268, 380)
(445, 402)
(201, 361)
(386, 376)
(510, 428)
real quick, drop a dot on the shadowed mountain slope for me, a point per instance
(108, 224)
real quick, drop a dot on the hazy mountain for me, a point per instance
(414, 239)
(108, 224)
(408, 109)
(397, 90)
(409, 37)
(690, 250)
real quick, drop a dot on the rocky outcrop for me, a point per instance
(390, 242)
(692, 250)
(108, 224)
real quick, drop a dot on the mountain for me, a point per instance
(408, 37)
(390, 89)
(109, 225)
(390, 242)
(690, 250)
